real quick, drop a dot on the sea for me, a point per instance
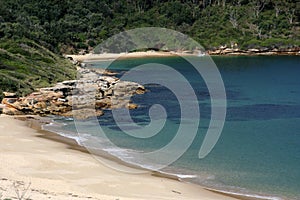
(258, 152)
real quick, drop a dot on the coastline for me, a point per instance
(71, 144)
(108, 158)
(58, 167)
(111, 56)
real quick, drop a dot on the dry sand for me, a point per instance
(111, 56)
(44, 169)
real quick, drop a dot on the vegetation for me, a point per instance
(25, 65)
(68, 26)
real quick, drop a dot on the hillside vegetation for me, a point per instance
(70, 25)
(25, 65)
(31, 30)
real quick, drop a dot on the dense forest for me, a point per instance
(33, 33)
(66, 26)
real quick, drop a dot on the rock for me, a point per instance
(140, 90)
(2, 106)
(127, 88)
(10, 104)
(9, 101)
(108, 79)
(40, 105)
(102, 72)
(103, 103)
(69, 83)
(9, 95)
(11, 111)
(83, 65)
(227, 51)
(83, 113)
(83, 96)
(18, 105)
(132, 106)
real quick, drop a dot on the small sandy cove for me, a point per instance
(111, 56)
(39, 168)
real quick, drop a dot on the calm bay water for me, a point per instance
(259, 149)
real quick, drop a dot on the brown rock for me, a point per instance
(82, 114)
(18, 105)
(9, 95)
(140, 90)
(40, 105)
(11, 111)
(103, 103)
(132, 106)
(91, 91)
(9, 101)
(103, 72)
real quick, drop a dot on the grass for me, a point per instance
(25, 65)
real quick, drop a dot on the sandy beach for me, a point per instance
(40, 169)
(110, 56)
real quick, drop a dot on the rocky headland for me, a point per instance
(224, 50)
(94, 91)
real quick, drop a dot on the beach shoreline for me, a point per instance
(108, 158)
(56, 167)
(90, 57)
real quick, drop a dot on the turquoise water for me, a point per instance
(258, 152)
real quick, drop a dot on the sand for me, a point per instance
(45, 169)
(112, 56)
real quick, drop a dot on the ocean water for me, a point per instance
(258, 153)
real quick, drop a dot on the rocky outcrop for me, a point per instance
(255, 51)
(82, 98)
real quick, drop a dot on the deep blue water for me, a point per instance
(259, 148)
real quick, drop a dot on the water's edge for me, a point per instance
(44, 127)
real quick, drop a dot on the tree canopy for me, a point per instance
(67, 26)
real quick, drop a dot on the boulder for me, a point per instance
(103, 72)
(90, 92)
(132, 106)
(103, 103)
(9, 101)
(140, 90)
(7, 110)
(82, 114)
(9, 95)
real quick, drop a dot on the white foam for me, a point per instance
(50, 124)
(67, 134)
(78, 139)
(182, 176)
(179, 176)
